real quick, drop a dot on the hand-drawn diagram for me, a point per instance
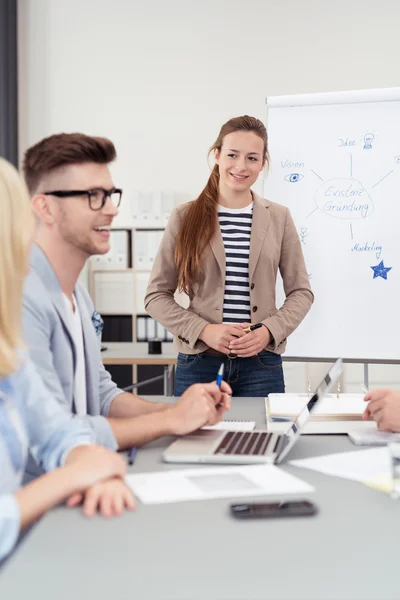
(344, 199)
(294, 177)
(368, 139)
(380, 270)
(348, 199)
(303, 235)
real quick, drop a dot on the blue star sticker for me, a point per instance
(380, 270)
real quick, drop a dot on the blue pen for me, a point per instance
(132, 455)
(220, 375)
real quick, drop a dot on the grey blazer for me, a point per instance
(52, 350)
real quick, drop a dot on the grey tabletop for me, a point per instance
(196, 551)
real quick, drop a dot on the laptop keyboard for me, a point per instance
(246, 443)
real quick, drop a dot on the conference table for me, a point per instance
(197, 551)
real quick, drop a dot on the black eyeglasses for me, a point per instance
(97, 197)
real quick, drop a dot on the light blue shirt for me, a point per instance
(30, 419)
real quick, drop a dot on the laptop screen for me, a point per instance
(297, 426)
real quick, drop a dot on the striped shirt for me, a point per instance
(235, 224)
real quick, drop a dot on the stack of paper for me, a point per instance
(341, 407)
(328, 427)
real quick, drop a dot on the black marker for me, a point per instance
(252, 327)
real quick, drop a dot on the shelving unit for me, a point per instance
(117, 281)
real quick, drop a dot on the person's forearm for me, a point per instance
(145, 428)
(289, 316)
(43, 493)
(178, 320)
(129, 405)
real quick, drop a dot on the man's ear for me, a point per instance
(43, 208)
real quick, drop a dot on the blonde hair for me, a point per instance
(16, 231)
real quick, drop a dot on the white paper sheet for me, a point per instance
(322, 427)
(371, 436)
(214, 482)
(361, 465)
(233, 426)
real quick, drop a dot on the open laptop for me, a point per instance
(247, 447)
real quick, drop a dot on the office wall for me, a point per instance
(160, 77)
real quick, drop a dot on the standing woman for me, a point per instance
(224, 251)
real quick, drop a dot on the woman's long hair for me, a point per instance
(199, 223)
(16, 230)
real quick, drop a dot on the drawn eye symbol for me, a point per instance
(294, 177)
(397, 159)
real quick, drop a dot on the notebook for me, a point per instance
(336, 407)
(328, 427)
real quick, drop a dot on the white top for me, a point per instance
(235, 224)
(80, 374)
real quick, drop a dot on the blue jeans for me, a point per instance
(259, 375)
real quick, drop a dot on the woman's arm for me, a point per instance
(85, 466)
(159, 301)
(43, 493)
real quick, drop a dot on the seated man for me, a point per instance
(75, 202)
(384, 408)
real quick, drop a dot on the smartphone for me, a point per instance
(264, 510)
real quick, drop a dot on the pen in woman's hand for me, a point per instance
(252, 327)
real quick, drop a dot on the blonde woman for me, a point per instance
(28, 417)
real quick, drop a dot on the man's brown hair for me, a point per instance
(61, 150)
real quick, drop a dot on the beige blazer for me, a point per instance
(274, 245)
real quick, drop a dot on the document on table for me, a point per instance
(361, 465)
(371, 436)
(214, 482)
(233, 426)
(323, 427)
(332, 406)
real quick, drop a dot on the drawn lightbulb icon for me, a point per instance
(368, 138)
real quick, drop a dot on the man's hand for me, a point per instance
(109, 497)
(251, 343)
(201, 404)
(384, 408)
(220, 336)
(91, 464)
